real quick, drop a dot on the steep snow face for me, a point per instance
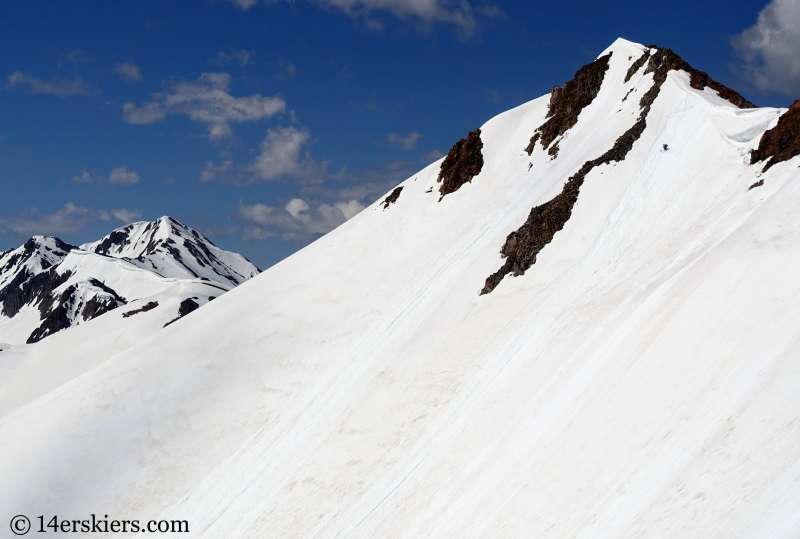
(49, 286)
(638, 379)
(172, 249)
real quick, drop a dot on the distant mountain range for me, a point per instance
(162, 267)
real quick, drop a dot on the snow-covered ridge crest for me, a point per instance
(47, 286)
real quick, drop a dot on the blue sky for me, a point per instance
(266, 123)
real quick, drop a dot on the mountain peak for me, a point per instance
(172, 249)
(47, 285)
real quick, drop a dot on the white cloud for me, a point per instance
(364, 185)
(118, 176)
(427, 11)
(128, 71)
(216, 232)
(296, 219)
(404, 142)
(349, 209)
(295, 206)
(241, 57)
(121, 176)
(68, 220)
(83, 177)
(205, 101)
(771, 48)
(125, 215)
(58, 87)
(282, 154)
(75, 56)
(431, 156)
(457, 12)
(224, 173)
(320, 207)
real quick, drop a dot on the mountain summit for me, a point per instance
(582, 322)
(47, 285)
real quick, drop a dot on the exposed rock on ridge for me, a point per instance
(782, 142)
(189, 305)
(524, 244)
(392, 198)
(464, 161)
(567, 103)
(147, 307)
(636, 66)
(664, 61)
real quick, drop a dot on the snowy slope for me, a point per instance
(638, 380)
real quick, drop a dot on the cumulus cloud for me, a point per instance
(59, 87)
(404, 142)
(68, 220)
(84, 177)
(118, 176)
(771, 48)
(320, 207)
(296, 219)
(121, 176)
(128, 71)
(282, 154)
(241, 57)
(126, 216)
(456, 12)
(207, 101)
(427, 11)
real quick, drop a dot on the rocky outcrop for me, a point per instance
(103, 302)
(98, 305)
(143, 309)
(664, 61)
(24, 290)
(392, 198)
(117, 239)
(782, 142)
(636, 66)
(567, 103)
(54, 319)
(187, 306)
(524, 244)
(464, 161)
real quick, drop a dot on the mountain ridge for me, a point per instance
(47, 275)
(638, 380)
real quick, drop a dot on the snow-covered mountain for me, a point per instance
(583, 322)
(47, 286)
(169, 248)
